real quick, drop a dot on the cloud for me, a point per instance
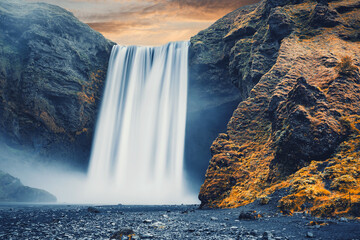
(214, 4)
(149, 22)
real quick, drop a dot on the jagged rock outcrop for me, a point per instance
(12, 190)
(299, 126)
(212, 97)
(52, 69)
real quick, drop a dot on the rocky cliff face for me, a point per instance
(297, 64)
(212, 96)
(52, 69)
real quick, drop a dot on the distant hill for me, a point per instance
(12, 190)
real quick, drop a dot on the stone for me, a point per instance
(146, 236)
(122, 233)
(309, 235)
(93, 210)
(249, 215)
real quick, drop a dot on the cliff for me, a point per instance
(12, 190)
(52, 69)
(296, 64)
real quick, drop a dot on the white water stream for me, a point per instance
(138, 150)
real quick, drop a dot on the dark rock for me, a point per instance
(249, 215)
(52, 69)
(324, 16)
(93, 210)
(211, 95)
(280, 25)
(267, 235)
(253, 232)
(121, 233)
(355, 209)
(295, 130)
(12, 190)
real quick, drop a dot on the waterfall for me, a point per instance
(137, 155)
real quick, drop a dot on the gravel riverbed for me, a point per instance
(163, 222)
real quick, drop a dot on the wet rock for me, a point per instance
(249, 215)
(309, 235)
(123, 232)
(253, 232)
(267, 235)
(93, 210)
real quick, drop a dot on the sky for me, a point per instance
(149, 22)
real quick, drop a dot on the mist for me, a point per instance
(70, 184)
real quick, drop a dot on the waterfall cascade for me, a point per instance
(137, 155)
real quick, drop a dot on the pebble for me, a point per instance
(147, 223)
(92, 210)
(146, 236)
(309, 235)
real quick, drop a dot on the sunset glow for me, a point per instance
(149, 22)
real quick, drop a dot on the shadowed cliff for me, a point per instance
(52, 69)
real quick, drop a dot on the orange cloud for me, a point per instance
(149, 22)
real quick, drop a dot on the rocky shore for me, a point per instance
(165, 222)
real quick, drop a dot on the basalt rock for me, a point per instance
(226, 61)
(297, 127)
(52, 69)
(304, 128)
